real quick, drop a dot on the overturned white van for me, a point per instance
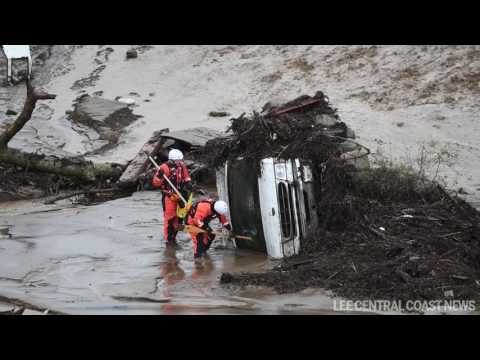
(275, 206)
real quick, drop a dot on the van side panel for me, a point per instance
(269, 209)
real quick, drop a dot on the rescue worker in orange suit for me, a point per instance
(200, 215)
(176, 171)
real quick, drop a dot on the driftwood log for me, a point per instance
(140, 163)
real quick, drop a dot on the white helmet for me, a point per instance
(221, 207)
(175, 154)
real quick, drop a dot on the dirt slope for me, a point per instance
(399, 99)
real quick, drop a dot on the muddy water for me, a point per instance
(111, 259)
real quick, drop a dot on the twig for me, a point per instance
(283, 150)
(378, 233)
(449, 252)
(304, 262)
(451, 234)
(405, 277)
(335, 274)
(460, 277)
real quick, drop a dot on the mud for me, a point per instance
(111, 259)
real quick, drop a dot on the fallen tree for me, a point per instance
(72, 167)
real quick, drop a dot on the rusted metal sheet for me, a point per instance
(194, 137)
(296, 107)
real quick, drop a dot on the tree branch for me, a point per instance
(33, 95)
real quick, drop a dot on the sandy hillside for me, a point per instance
(399, 99)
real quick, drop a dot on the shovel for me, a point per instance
(181, 212)
(194, 230)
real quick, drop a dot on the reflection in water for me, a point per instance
(202, 267)
(170, 271)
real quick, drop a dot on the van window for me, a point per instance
(245, 213)
(307, 206)
(293, 202)
(285, 217)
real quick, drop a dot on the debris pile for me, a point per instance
(307, 127)
(384, 233)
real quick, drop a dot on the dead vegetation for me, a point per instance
(306, 127)
(19, 182)
(391, 236)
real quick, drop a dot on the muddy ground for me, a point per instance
(111, 259)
